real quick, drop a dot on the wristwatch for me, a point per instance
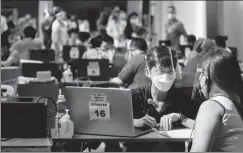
(182, 117)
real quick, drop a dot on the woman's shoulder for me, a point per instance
(215, 108)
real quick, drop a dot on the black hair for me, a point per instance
(72, 31)
(84, 36)
(203, 45)
(191, 38)
(95, 42)
(224, 76)
(128, 30)
(30, 32)
(172, 7)
(161, 54)
(139, 43)
(221, 41)
(108, 39)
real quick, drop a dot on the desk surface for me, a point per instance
(27, 142)
(149, 137)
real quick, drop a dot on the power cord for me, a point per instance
(190, 139)
(55, 105)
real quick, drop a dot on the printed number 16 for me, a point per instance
(101, 113)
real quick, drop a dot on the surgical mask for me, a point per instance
(163, 82)
(171, 16)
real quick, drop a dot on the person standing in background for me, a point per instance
(46, 27)
(59, 34)
(132, 26)
(116, 26)
(83, 25)
(73, 23)
(4, 26)
(102, 21)
(174, 28)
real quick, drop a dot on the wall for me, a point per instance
(230, 22)
(212, 18)
(24, 7)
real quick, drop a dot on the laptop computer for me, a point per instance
(30, 69)
(73, 52)
(10, 73)
(94, 69)
(102, 111)
(42, 55)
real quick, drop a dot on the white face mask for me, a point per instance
(163, 82)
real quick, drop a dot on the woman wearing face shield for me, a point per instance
(161, 102)
(219, 124)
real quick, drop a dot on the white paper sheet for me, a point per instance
(178, 133)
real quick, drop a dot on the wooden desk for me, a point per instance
(26, 145)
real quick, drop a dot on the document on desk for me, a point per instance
(178, 133)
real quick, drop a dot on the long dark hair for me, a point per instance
(224, 76)
(128, 30)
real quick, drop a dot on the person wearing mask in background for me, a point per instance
(132, 73)
(46, 27)
(107, 48)
(94, 52)
(189, 53)
(219, 123)
(221, 42)
(162, 102)
(59, 34)
(115, 27)
(20, 49)
(102, 21)
(174, 28)
(73, 38)
(83, 25)
(132, 26)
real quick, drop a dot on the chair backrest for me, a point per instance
(42, 55)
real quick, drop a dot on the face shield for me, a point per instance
(165, 71)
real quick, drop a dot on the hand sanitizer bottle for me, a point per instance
(68, 75)
(66, 126)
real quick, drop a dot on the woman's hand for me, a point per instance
(146, 121)
(167, 120)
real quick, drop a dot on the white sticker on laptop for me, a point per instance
(93, 69)
(74, 53)
(98, 97)
(99, 111)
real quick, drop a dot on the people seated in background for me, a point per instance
(107, 48)
(20, 49)
(161, 102)
(219, 124)
(84, 39)
(174, 28)
(221, 42)
(73, 38)
(93, 52)
(132, 75)
(201, 47)
(115, 27)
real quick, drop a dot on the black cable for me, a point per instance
(47, 104)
